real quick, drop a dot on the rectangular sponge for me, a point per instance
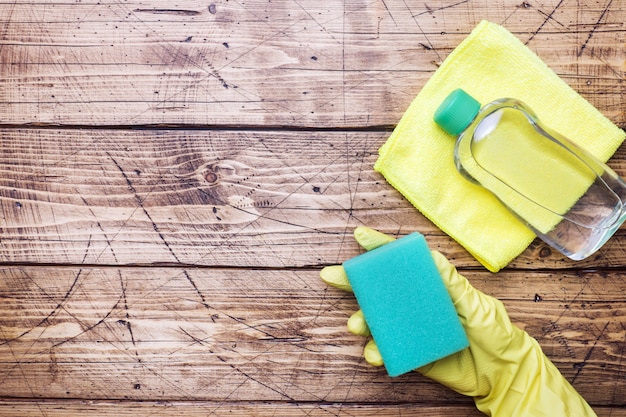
(406, 304)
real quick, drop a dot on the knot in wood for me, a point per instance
(210, 177)
(545, 252)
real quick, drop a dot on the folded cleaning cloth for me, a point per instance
(418, 161)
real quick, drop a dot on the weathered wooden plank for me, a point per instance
(211, 197)
(194, 197)
(169, 334)
(261, 63)
(68, 408)
(60, 408)
(65, 408)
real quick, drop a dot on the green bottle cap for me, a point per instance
(456, 112)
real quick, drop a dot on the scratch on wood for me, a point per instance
(580, 366)
(58, 307)
(192, 337)
(541, 12)
(548, 17)
(449, 6)
(595, 27)
(562, 340)
(263, 384)
(101, 228)
(389, 11)
(155, 227)
(176, 12)
(139, 201)
(127, 322)
(87, 329)
(430, 11)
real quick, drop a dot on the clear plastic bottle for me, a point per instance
(569, 198)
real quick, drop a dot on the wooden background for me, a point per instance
(173, 176)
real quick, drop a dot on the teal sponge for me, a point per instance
(405, 304)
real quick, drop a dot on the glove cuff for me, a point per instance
(533, 387)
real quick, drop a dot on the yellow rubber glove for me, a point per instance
(504, 369)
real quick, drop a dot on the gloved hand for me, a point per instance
(503, 369)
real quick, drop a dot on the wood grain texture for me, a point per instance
(262, 409)
(287, 63)
(173, 176)
(246, 334)
(212, 198)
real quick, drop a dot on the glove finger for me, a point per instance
(477, 310)
(370, 238)
(336, 276)
(457, 285)
(372, 354)
(357, 325)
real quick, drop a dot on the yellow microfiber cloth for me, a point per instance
(418, 160)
